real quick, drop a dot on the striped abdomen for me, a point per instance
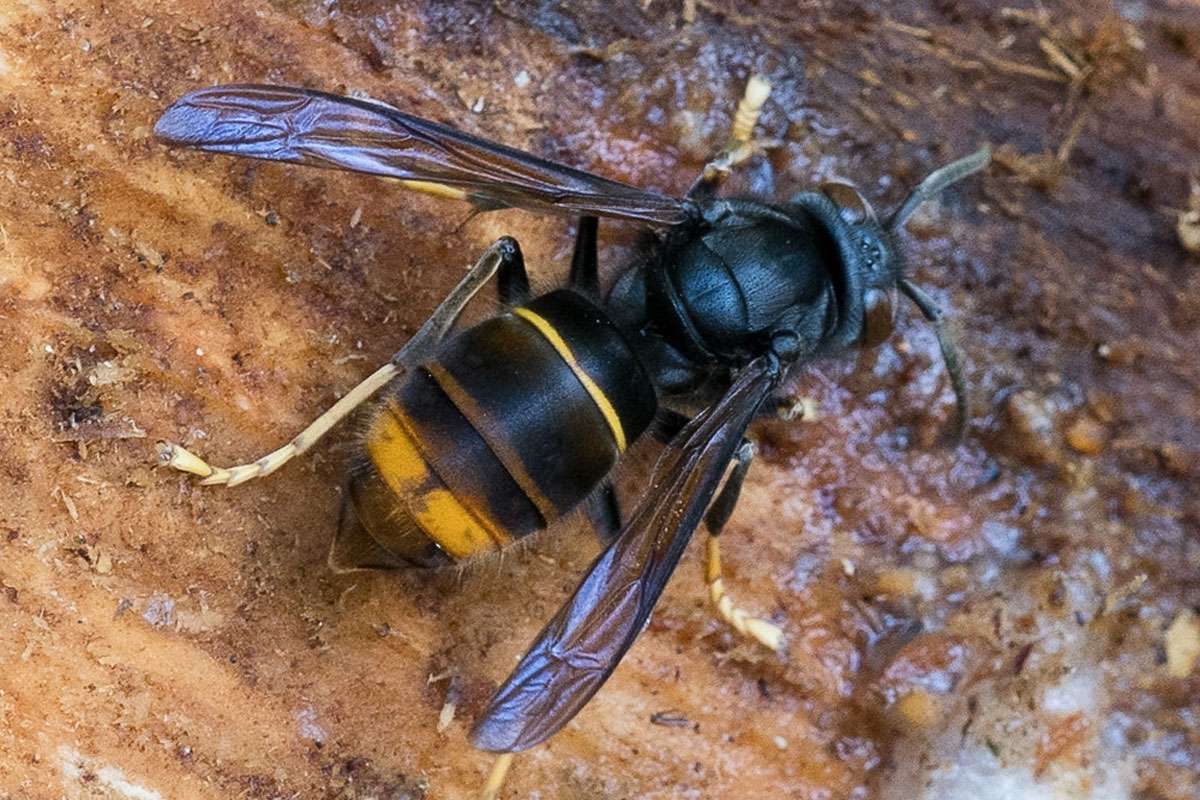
(510, 426)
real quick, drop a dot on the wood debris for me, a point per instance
(67, 502)
(1117, 597)
(1183, 644)
(1187, 223)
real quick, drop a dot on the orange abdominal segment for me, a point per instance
(460, 531)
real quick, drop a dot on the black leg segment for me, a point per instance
(584, 263)
(605, 512)
(667, 425)
(722, 508)
(512, 282)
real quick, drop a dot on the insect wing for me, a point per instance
(301, 126)
(579, 648)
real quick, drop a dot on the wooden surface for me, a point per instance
(987, 617)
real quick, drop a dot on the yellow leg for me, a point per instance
(491, 789)
(416, 350)
(766, 633)
(175, 456)
(435, 189)
(740, 146)
(749, 109)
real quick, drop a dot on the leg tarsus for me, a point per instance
(792, 408)
(504, 252)
(741, 146)
(585, 269)
(766, 633)
(172, 455)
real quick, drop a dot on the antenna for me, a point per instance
(936, 183)
(949, 347)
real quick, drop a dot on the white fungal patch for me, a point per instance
(1042, 730)
(78, 770)
(306, 718)
(160, 611)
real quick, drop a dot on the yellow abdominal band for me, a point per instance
(597, 394)
(459, 531)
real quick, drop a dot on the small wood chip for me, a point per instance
(898, 583)
(1062, 741)
(1183, 644)
(1087, 436)
(670, 719)
(446, 717)
(1117, 597)
(919, 709)
(148, 254)
(1187, 223)
(68, 502)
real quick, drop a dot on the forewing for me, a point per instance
(301, 126)
(579, 648)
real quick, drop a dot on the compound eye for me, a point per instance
(852, 206)
(880, 318)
